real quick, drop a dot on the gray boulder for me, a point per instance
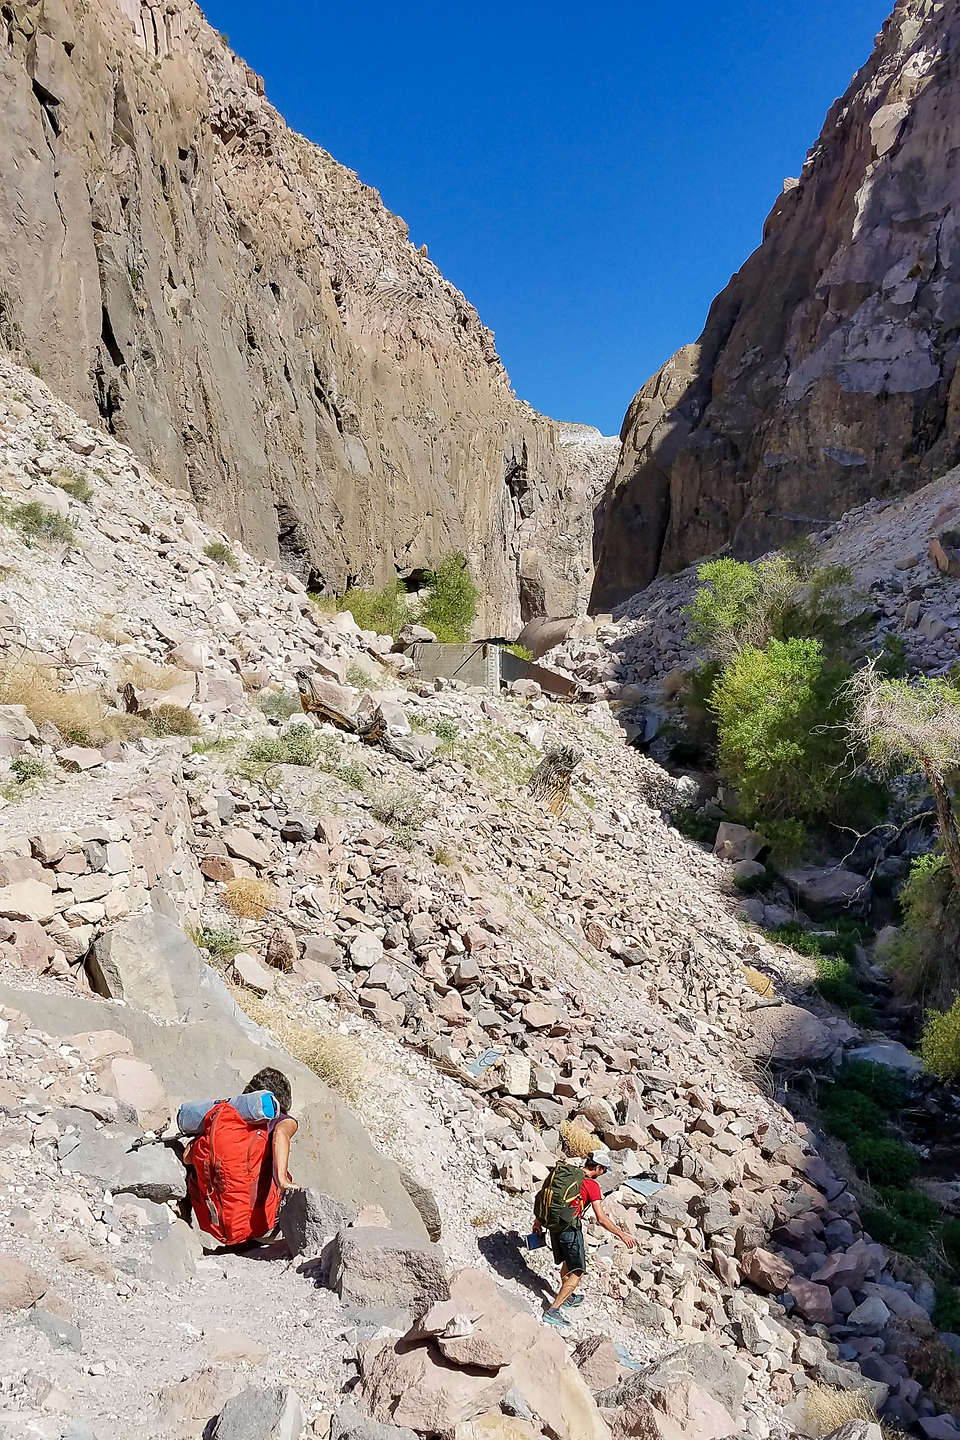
(309, 1219)
(829, 891)
(270, 1413)
(371, 1266)
(153, 1172)
(62, 1334)
(889, 1053)
(706, 1365)
(425, 1201)
(857, 1430)
(349, 1424)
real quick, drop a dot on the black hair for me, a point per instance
(276, 1082)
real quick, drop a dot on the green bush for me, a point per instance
(852, 1116)
(787, 840)
(741, 605)
(173, 720)
(37, 523)
(885, 1086)
(883, 1161)
(26, 769)
(221, 554)
(781, 713)
(899, 1232)
(220, 942)
(300, 746)
(75, 485)
(840, 941)
(837, 984)
(450, 607)
(697, 827)
(384, 611)
(940, 1043)
(280, 705)
(403, 811)
(946, 1312)
(447, 730)
(920, 958)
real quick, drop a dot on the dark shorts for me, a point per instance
(569, 1249)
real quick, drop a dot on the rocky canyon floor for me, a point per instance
(459, 984)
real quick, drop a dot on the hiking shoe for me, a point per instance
(553, 1317)
(573, 1303)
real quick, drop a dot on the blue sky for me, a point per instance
(589, 178)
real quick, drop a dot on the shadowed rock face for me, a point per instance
(826, 370)
(244, 312)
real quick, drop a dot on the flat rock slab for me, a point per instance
(153, 1172)
(829, 891)
(891, 1054)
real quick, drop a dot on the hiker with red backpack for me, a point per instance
(559, 1208)
(238, 1163)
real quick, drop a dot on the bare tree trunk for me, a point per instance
(946, 822)
(550, 782)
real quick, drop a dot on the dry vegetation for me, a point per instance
(145, 674)
(578, 1141)
(79, 715)
(757, 981)
(249, 899)
(338, 1060)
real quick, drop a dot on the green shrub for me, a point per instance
(301, 745)
(75, 485)
(780, 717)
(37, 523)
(883, 1161)
(280, 705)
(173, 720)
(384, 611)
(695, 826)
(940, 1042)
(837, 984)
(221, 554)
(403, 811)
(892, 661)
(921, 958)
(358, 677)
(904, 1221)
(787, 840)
(521, 652)
(885, 1086)
(852, 1116)
(220, 942)
(450, 606)
(447, 730)
(840, 940)
(741, 605)
(946, 1312)
(26, 769)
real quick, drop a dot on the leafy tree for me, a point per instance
(450, 607)
(781, 714)
(916, 723)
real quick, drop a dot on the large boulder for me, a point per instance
(372, 1266)
(20, 1285)
(737, 842)
(788, 1033)
(213, 1050)
(415, 1383)
(712, 1370)
(270, 1413)
(829, 890)
(309, 1219)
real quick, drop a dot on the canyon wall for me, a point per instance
(227, 299)
(827, 370)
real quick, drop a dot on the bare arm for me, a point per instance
(283, 1133)
(603, 1219)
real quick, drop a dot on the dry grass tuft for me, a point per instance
(757, 981)
(577, 1140)
(107, 628)
(79, 715)
(827, 1407)
(338, 1060)
(249, 899)
(144, 674)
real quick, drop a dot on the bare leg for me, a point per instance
(569, 1283)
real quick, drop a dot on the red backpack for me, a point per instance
(232, 1187)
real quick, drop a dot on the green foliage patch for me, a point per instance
(36, 523)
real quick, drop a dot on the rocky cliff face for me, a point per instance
(244, 312)
(826, 372)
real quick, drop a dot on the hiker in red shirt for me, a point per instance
(560, 1208)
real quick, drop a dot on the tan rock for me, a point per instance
(20, 1285)
(27, 900)
(134, 1083)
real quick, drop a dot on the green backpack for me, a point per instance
(554, 1206)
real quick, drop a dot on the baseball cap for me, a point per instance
(601, 1157)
